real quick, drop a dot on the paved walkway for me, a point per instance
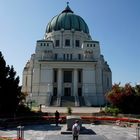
(74, 109)
(51, 132)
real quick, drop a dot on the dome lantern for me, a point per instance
(67, 9)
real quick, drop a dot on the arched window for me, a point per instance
(57, 43)
(67, 42)
(77, 43)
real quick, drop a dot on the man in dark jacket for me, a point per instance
(57, 115)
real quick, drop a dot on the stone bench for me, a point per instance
(70, 120)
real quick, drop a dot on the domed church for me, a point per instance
(67, 68)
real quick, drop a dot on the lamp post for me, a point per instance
(138, 132)
(20, 133)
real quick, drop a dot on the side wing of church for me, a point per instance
(67, 68)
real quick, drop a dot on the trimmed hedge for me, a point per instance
(13, 122)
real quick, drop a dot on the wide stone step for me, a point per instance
(53, 101)
(67, 101)
(82, 101)
(69, 137)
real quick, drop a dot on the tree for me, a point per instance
(10, 91)
(115, 96)
(126, 98)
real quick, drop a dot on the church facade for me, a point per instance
(67, 68)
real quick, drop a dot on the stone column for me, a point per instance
(75, 83)
(59, 82)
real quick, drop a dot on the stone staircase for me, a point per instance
(82, 101)
(67, 101)
(53, 101)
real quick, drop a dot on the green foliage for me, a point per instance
(23, 110)
(10, 91)
(125, 98)
(69, 110)
(112, 110)
(137, 89)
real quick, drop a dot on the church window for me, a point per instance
(107, 82)
(67, 76)
(40, 44)
(77, 43)
(79, 91)
(67, 42)
(47, 44)
(57, 43)
(55, 56)
(87, 45)
(55, 76)
(26, 81)
(64, 56)
(67, 56)
(94, 45)
(79, 56)
(79, 76)
(90, 45)
(70, 56)
(44, 44)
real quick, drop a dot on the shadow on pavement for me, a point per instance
(83, 131)
(45, 127)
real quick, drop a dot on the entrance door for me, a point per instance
(55, 91)
(67, 91)
(79, 91)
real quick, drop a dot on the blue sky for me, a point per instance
(114, 23)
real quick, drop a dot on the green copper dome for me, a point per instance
(67, 20)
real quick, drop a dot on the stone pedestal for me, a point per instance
(70, 120)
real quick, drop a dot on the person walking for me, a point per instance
(57, 115)
(75, 130)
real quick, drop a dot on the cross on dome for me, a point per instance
(67, 3)
(67, 9)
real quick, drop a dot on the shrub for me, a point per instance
(126, 98)
(112, 110)
(69, 110)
